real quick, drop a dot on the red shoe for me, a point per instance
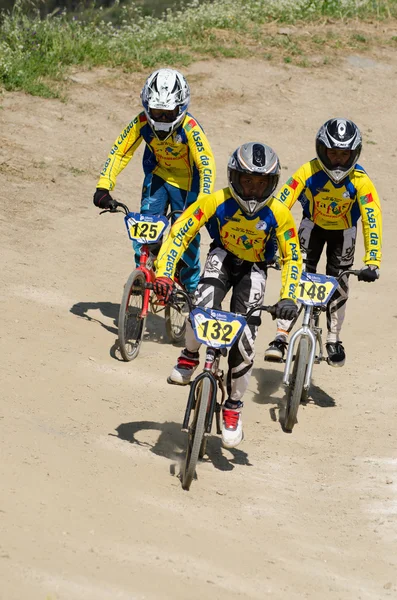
(183, 371)
(232, 427)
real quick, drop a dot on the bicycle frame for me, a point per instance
(149, 277)
(313, 332)
(210, 370)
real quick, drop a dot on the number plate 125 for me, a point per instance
(216, 328)
(145, 228)
(316, 289)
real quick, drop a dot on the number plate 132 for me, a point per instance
(216, 328)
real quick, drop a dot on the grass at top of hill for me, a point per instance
(36, 53)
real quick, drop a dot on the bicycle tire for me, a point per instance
(296, 391)
(203, 447)
(196, 432)
(131, 325)
(175, 322)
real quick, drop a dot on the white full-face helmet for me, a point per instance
(167, 90)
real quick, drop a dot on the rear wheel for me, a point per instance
(296, 392)
(175, 320)
(131, 324)
(196, 441)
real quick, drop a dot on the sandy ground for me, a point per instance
(91, 507)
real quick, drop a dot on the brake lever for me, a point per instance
(110, 210)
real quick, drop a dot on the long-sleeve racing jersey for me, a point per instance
(184, 160)
(246, 237)
(338, 206)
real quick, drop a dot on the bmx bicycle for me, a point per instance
(218, 330)
(314, 293)
(137, 298)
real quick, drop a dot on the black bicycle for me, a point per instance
(218, 330)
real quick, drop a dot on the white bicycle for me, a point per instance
(315, 291)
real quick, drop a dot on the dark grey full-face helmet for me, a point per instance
(253, 158)
(340, 134)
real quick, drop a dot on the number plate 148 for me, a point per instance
(316, 289)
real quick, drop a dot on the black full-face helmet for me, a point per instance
(253, 158)
(340, 134)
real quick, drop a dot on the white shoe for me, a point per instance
(183, 371)
(276, 350)
(232, 427)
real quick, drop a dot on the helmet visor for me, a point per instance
(164, 116)
(337, 162)
(253, 190)
(254, 187)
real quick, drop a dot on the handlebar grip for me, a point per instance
(354, 272)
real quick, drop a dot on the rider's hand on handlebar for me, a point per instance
(104, 200)
(163, 287)
(369, 273)
(286, 309)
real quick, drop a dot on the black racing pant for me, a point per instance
(223, 272)
(340, 246)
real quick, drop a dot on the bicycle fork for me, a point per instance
(210, 371)
(313, 336)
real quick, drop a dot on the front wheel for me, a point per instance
(296, 391)
(196, 440)
(131, 323)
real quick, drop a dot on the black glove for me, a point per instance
(163, 287)
(286, 309)
(104, 200)
(369, 274)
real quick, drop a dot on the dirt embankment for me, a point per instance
(91, 507)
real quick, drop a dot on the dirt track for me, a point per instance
(91, 506)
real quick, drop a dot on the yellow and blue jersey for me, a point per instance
(248, 238)
(184, 160)
(338, 206)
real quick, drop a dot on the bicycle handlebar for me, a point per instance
(178, 294)
(354, 272)
(126, 210)
(271, 309)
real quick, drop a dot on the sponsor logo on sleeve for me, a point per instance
(288, 235)
(190, 124)
(292, 183)
(366, 199)
(198, 214)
